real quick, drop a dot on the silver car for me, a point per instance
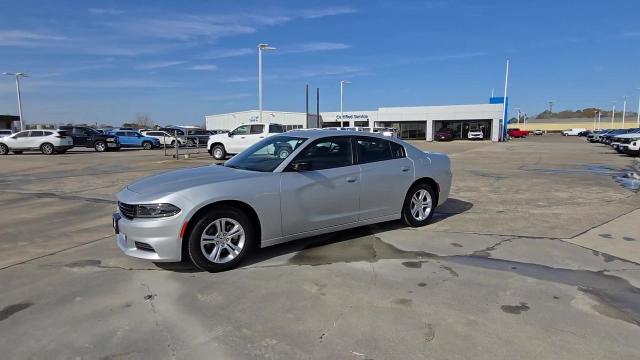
(325, 181)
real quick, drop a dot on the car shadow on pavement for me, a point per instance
(449, 209)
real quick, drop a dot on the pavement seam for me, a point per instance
(55, 252)
(604, 223)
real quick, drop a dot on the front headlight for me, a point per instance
(156, 210)
(111, 139)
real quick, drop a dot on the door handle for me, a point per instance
(404, 168)
(261, 137)
(351, 179)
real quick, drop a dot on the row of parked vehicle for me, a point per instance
(66, 137)
(623, 141)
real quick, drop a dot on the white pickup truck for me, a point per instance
(240, 138)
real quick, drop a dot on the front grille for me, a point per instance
(127, 211)
(144, 246)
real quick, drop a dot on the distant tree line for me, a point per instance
(584, 113)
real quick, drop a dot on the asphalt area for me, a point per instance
(535, 256)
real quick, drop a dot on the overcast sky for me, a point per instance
(105, 61)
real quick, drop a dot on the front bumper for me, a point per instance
(150, 239)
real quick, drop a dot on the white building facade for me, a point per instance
(413, 123)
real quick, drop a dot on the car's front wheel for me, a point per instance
(100, 146)
(221, 239)
(4, 149)
(218, 152)
(147, 145)
(419, 205)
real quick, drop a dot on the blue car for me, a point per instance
(130, 138)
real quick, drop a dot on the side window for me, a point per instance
(120, 133)
(257, 129)
(36, 134)
(22, 134)
(372, 149)
(47, 133)
(397, 150)
(327, 153)
(78, 131)
(275, 129)
(241, 130)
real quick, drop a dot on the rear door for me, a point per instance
(386, 175)
(327, 194)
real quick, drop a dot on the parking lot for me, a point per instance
(535, 256)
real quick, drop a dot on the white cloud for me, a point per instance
(27, 38)
(204, 67)
(226, 97)
(105, 11)
(184, 27)
(159, 65)
(34, 85)
(313, 46)
(329, 11)
(305, 72)
(227, 53)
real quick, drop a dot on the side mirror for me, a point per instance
(301, 166)
(229, 134)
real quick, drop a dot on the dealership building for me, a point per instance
(413, 123)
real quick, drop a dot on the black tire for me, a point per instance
(190, 142)
(407, 216)
(147, 145)
(196, 252)
(47, 149)
(17, 152)
(100, 146)
(284, 152)
(173, 143)
(218, 152)
(4, 149)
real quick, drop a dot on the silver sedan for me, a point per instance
(286, 187)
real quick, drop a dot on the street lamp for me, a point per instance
(638, 121)
(613, 113)
(18, 75)
(624, 109)
(261, 48)
(342, 82)
(518, 120)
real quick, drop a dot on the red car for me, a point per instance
(517, 133)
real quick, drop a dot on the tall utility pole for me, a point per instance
(638, 120)
(306, 103)
(504, 102)
(261, 48)
(18, 75)
(624, 109)
(342, 82)
(318, 107)
(599, 120)
(613, 113)
(551, 102)
(595, 119)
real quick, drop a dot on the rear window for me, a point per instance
(63, 133)
(397, 150)
(256, 129)
(372, 150)
(274, 128)
(47, 133)
(36, 133)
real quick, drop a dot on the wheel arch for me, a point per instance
(237, 204)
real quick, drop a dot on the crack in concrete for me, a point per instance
(150, 297)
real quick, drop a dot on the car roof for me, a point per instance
(629, 135)
(320, 133)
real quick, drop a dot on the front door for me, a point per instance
(237, 138)
(327, 194)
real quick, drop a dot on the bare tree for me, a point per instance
(143, 121)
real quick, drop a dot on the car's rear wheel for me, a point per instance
(47, 149)
(100, 146)
(221, 239)
(218, 152)
(4, 149)
(419, 205)
(173, 143)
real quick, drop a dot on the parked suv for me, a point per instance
(47, 141)
(242, 137)
(132, 138)
(165, 138)
(84, 136)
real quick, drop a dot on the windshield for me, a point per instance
(267, 154)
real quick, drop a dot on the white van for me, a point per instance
(573, 132)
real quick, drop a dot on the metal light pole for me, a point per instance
(504, 103)
(518, 120)
(261, 48)
(613, 113)
(599, 120)
(638, 120)
(18, 75)
(342, 82)
(624, 109)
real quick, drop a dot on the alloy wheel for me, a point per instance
(222, 240)
(421, 205)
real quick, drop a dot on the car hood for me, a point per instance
(176, 180)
